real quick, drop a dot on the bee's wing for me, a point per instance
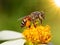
(20, 18)
(14, 42)
(9, 35)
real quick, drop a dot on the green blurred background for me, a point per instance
(11, 10)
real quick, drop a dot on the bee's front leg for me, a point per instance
(40, 20)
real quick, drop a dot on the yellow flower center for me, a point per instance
(40, 34)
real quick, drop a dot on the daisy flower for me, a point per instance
(30, 36)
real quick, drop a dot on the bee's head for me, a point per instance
(42, 15)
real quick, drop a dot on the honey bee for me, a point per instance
(32, 18)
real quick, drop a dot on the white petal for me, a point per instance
(8, 35)
(14, 42)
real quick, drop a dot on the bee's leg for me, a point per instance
(29, 26)
(40, 20)
(34, 23)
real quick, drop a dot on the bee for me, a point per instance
(32, 18)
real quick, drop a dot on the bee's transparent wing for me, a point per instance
(9, 35)
(20, 18)
(14, 42)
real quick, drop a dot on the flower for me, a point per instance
(40, 34)
(12, 38)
